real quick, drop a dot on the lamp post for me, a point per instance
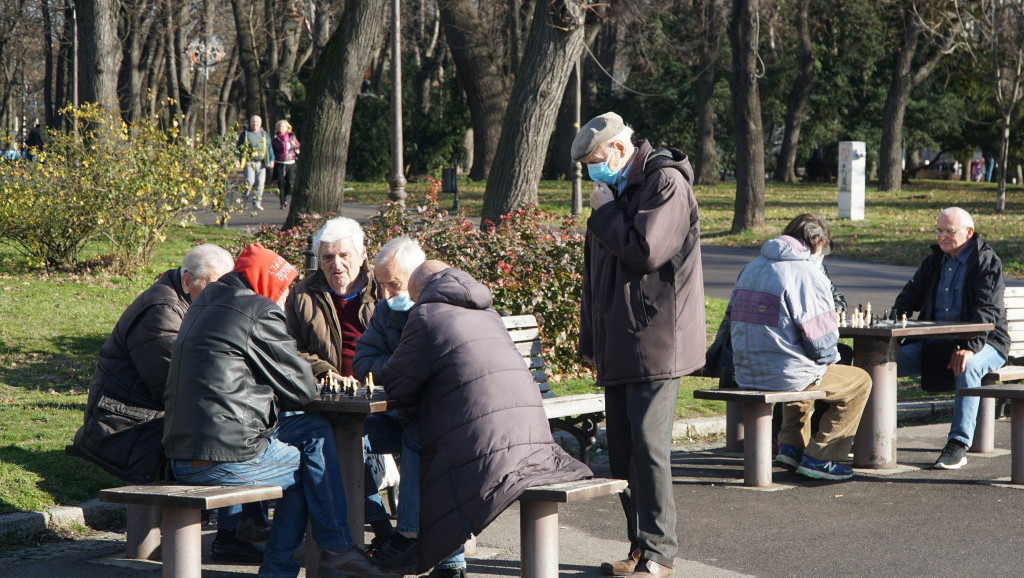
(397, 180)
(205, 55)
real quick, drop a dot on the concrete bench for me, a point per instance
(538, 520)
(180, 507)
(578, 415)
(757, 425)
(1015, 393)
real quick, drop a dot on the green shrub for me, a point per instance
(121, 184)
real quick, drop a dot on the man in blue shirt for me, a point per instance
(962, 280)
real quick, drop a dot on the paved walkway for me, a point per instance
(913, 522)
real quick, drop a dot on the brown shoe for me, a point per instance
(622, 567)
(348, 563)
(651, 569)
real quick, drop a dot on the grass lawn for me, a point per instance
(52, 325)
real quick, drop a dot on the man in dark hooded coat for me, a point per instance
(483, 432)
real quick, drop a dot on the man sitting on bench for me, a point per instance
(482, 427)
(233, 371)
(784, 331)
(962, 280)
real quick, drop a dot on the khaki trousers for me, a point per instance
(846, 392)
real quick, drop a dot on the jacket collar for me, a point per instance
(318, 281)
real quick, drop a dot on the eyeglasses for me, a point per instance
(947, 232)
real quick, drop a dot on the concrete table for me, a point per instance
(874, 350)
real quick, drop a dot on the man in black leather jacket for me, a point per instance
(233, 371)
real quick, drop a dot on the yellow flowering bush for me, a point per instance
(121, 184)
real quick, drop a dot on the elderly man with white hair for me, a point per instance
(962, 280)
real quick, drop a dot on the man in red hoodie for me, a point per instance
(234, 370)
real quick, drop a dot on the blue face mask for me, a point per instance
(600, 172)
(401, 302)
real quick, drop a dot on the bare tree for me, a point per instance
(478, 61)
(100, 51)
(799, 96)
(708, 28)
(746, 103)
(332, 93)
(554, 44)
(939, 30)
(254, 101)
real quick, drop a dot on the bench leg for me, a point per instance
(734, 426)
(538, 535)
(1017, 441)
(183, 546)
(142, 536)
(985, 427)
(757, 447)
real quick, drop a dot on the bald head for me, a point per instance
(422, 275)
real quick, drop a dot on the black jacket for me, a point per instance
(234, 369)
(642, 312)
(483, 431)
(982, 296)
(378, 341)
(124, 415)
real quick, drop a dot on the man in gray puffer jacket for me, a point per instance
(483, 432)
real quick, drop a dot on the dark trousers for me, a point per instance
(285, 176)
(639, 427)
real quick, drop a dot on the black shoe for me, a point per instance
(953, 456)
(250, 531)
(236, 551)
(446, 573)
(399, 553)
(350, 562)
(373, 548)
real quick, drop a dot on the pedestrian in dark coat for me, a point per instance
(483, 431)
(641, 320)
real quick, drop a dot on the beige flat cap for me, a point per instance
(600, 129)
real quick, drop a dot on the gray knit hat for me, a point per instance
(599, 130)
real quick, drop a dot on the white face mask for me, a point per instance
(401, 302)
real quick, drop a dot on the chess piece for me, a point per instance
(867, 312)
(904, 319)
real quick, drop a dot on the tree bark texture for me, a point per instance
(254, 102)
(799, 96)
(709, 22)
(479, 69)
(554, 44)
(331, 98)
(746, 102)
(48, 70)
(100, 49)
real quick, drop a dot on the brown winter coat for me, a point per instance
(313, 320)
(483, 431)
(642, 316)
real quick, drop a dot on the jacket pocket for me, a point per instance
(131, 413)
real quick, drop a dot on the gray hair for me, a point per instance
(207, 262)
(339, 229)
(625, 135)
(962, 217)
(402, 254)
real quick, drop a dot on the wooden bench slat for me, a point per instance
(578, 490)
(519, 335)
(563, 406)
(1001, 390)
(184, 496)
(1005, 373)
(527, 348)
(518, 321)
(757, 396)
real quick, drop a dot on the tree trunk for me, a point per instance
(554, 44)
(796, 108)
(709, 19)
(1004, 150)
(254, 103)
(749, 207)
(331, 97)
(48, 70)
(100, 52)
(136, 35)
(224, 102)
(480, 76)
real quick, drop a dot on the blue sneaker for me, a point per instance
(789, 457)
(822, 470)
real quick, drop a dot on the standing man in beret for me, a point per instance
(641, 321)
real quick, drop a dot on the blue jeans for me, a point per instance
(965, 409)
(396, 432)
(301, 458)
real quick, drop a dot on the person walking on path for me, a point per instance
(257, 155)
(962, 280)
(641, 321)
(286, 152)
